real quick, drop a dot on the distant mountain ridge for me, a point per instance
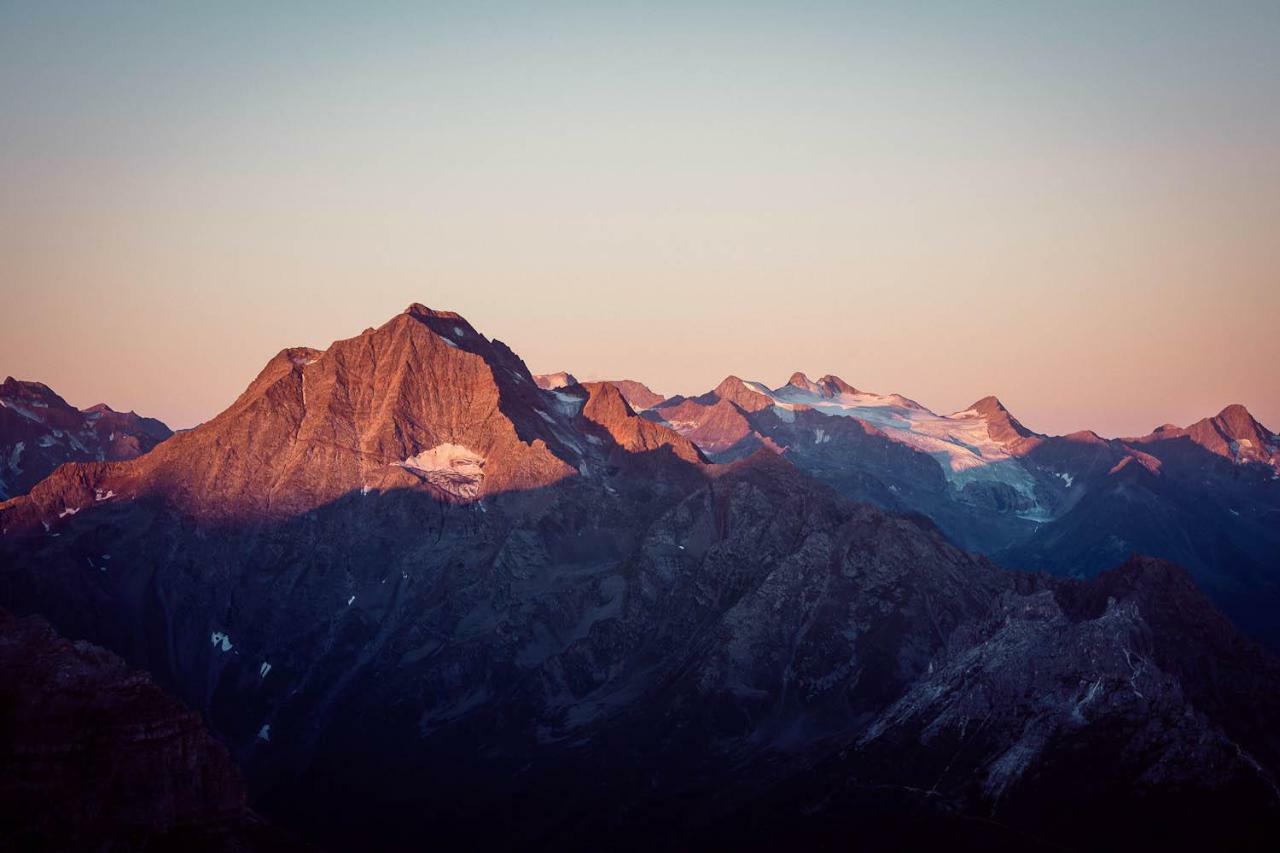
(1206, 495)
(39, 431)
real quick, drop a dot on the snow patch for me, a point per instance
(961, 444)
(568, 403)
(71, 510)
(14, 455)
(456, 469)
(264, 669)
(1066, 478)
(264, 733)
(217, 638)
(26, 413)
(99, 495)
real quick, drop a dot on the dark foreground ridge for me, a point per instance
(93, 755)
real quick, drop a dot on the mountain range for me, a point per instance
(1206, 496)
(425, 597)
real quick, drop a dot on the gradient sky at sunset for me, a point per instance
(1074, 206)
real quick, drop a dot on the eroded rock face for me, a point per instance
(93, 755)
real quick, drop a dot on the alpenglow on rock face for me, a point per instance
(419, 596)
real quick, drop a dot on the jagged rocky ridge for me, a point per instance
(1207, 497)
(419, 596)
(39, 431)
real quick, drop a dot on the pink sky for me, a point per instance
(1059, 209)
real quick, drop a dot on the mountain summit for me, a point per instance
(1002, 426)
(423, 401)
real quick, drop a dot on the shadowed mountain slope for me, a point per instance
(93, 755)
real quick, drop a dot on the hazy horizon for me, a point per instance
(1072, 207)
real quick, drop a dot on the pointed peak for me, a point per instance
(1237, 422)
(799, 380)
(1001, 424)
(729, 383)
(450, 326)
(745, 395)
(832, 385)
(989, 405)
(1237, 417)
(605, 396)
(417, 309)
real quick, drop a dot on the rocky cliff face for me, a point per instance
(40, 431)
(419, 596)
(94, 756)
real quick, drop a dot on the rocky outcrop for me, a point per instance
(94, 756)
